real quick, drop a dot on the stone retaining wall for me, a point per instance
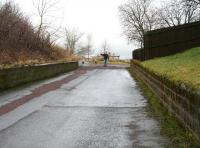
(16, 76)
(182, 103)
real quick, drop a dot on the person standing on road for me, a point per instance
(106, 58)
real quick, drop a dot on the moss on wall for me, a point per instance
(17, 76)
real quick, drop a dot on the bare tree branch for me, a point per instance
(44, 8)
(105, 46)
(137, 18)
(178, 12)
(86, 49)
(72, 40)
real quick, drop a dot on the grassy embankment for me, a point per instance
(185, 68)
(179, 137)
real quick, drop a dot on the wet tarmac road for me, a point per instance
(103, 108)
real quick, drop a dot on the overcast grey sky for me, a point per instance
(97, 17)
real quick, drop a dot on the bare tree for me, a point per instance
(137, 18)
(105, 46)
(178, 12)
(72, 40)
(89, 45)
(86, 49)
(44, 8)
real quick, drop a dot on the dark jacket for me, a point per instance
(105, 56)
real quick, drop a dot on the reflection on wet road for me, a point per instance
(101, 109)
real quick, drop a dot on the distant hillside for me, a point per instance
(183, 67)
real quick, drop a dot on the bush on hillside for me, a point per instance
(20, 41)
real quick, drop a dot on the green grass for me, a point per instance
(183, 67)
(179, 137)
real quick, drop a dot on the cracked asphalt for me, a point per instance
(101, 108)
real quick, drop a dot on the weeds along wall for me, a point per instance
(168, 41)
(16, 76)
(180, 101)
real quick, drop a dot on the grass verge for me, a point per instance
(179, 136)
